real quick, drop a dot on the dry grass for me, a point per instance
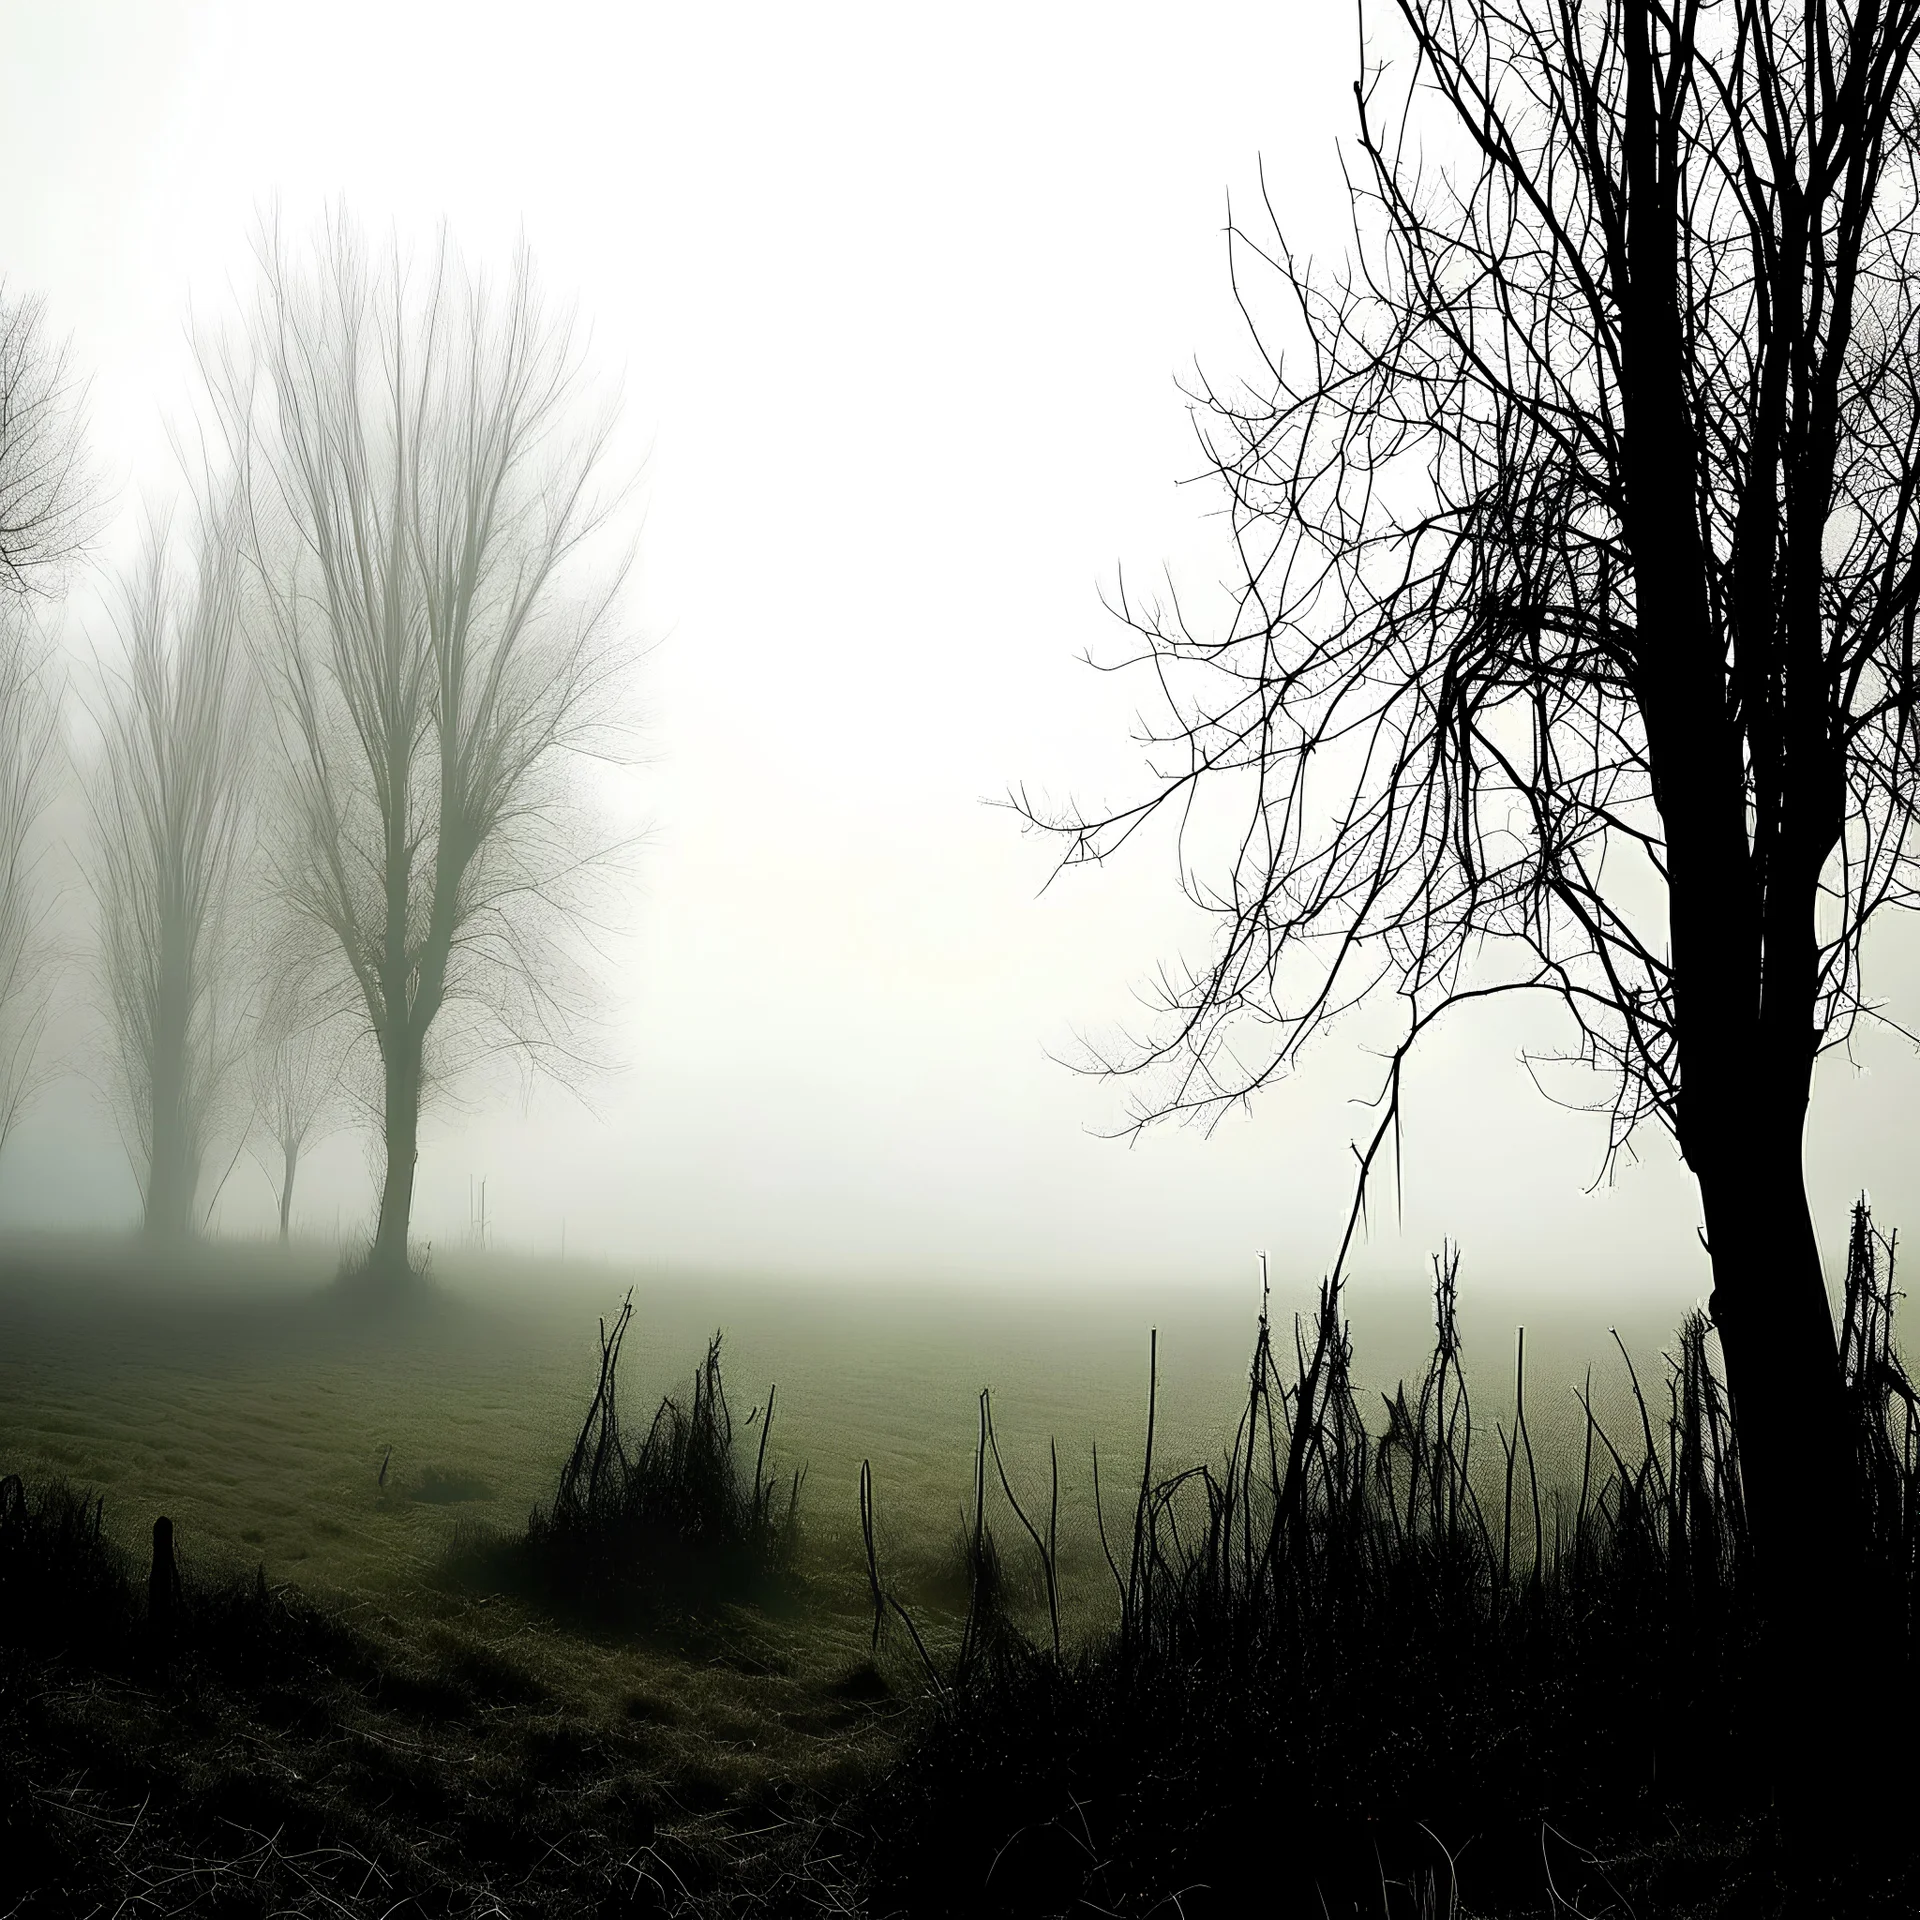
(1342, 1650)
(234, 1391)
(453, 1750)
(346, 1454)
(257, 1755)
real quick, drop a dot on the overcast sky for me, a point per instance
(898, 299)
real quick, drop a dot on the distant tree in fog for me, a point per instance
(295, 1061)
(49, 505)
(27, 734)
(171, 829)
(49, 508)
(420, 487)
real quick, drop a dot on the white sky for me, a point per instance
(899, 297)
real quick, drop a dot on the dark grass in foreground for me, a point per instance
(662, 1531)
(1355, 1671)
(1358, 1674)
(178, 1743)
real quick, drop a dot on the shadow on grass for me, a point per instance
(448, 1487)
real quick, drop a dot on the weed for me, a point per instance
(672, 1526)
(1335, 1645)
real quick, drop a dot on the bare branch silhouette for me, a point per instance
(1577, 527)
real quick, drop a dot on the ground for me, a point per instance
(373, 1725)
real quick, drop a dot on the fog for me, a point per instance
(899, 302)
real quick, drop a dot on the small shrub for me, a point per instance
(675, 1524)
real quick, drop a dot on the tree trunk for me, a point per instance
(402, 1128)
(286, 1192)
(168, 1212)
(1743, 982)
(172, 1172)
(173, 1161)
(1783, 1362)
(1776, 1329)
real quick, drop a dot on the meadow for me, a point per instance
(240, 1394)
(313, 1447)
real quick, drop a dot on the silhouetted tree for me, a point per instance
(27, 732)
(419, 490)
(171, 829)
(1574, 650)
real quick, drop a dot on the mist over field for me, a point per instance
(832, 981)
(850, 916)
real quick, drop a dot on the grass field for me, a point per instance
(244, 1396)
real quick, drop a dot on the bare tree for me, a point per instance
(420, 490)
(28, 726)
(48, 502)
(295, 1069)
(170, 807)
(48, 511)
(1574, 650)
